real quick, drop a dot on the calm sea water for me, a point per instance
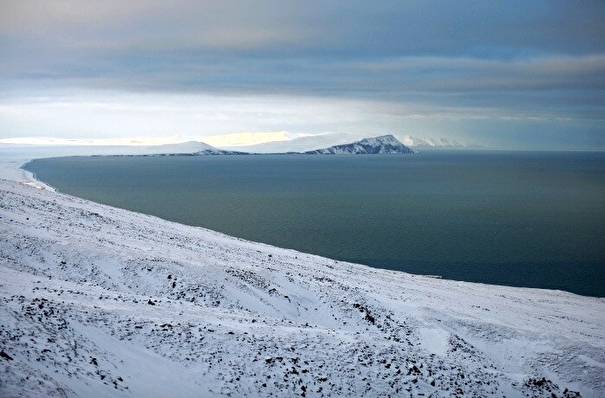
(534, 219)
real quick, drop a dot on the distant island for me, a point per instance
(368, 146)
(386, 144)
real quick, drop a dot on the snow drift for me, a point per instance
(98, 301)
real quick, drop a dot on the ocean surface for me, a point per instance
(531, 219)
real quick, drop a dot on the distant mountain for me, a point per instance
(314, 143)
(186, 148)
(340, 144)
(377, 145)
(301, 144)
(442, 142)
(216, 151)
(191, 148)
(383, 144)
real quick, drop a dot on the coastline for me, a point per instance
(12, 169)
(31, 179)
(534, 260)
(130, 275)
(14, 156)
(223, 316)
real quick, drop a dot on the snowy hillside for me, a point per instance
(442, 143)
(301, 144)
(98, 301)
(376, 145)
(315, 142)
(185, 148)
(189, 147)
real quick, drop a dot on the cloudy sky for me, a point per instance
(528, 74)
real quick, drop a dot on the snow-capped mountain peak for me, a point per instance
(386, 144)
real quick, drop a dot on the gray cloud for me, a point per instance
(344, 27)
(474, 59)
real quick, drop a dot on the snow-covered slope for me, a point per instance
(185, 148)
(376, 145)
(189, 147)
(98, 301)
(315, 142)
(442, 143)
(301, 144)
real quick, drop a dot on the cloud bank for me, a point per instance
(511, 74)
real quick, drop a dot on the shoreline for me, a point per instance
(109, 298)
(32, 180)
(14, 156)
(140, 294)
(13, 168)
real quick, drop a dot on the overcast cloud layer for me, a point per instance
(510, 74)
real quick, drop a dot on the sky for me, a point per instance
(514, 74)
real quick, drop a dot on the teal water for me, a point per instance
(534, 219)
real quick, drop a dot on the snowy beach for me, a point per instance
(99, 301)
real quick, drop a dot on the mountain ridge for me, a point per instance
(385, 144)
(314, 142)
(440, 143)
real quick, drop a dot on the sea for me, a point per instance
(519, 218)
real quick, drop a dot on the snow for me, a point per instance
(301, 144)
(12, 157)
(442, 143)
(99, 301)
(376, 145)
(435, 340)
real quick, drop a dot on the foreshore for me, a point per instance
(11, 169)
(14, 156)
